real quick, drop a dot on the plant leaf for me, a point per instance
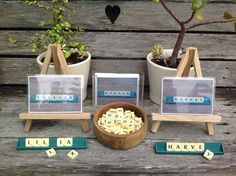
(197, 5)
(67, 54)
(199, 15)
(155, 0)
(228, 15)
(11, 40)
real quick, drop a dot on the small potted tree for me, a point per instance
(162, 63)
(59, 31)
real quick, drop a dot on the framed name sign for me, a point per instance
(113, 87)
(188, 96)
(55, 93)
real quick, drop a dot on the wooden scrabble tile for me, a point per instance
(208, 154)
(200, 147)
(72, 154)
(185, 147)
(29, 142)
(192, 147)
(51, 152)
(44, 142)
(169, 146)
(177, 147)
(60, 142)
(68, 142)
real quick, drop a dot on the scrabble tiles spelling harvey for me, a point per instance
(72, 154)
(208, 154)
(185, 147)
(51, 152)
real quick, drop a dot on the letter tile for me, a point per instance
(51, 152)
(208, 154)
(72, 154)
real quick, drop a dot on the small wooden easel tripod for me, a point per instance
(190, 58)
(60, 65)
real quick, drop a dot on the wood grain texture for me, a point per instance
(131, 44)
(141, 15)
(99, 160)
(15, 70)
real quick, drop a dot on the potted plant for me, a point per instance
(162, 63)
(59, 31)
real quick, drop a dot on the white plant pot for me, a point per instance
(81, 68)
(156, 73)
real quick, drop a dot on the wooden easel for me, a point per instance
(55, 53)
(190, 58)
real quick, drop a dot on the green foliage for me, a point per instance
(157, 51)
(60, 31)
(196, 6)
(12, 41)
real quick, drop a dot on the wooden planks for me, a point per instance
(132, 45)
(141, 15)
(97, 157)
(116, 162)
(16, 70)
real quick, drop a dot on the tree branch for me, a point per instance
(210, 22)
(169, 11)
(190, 18)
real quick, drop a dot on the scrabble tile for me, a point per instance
(208, 154)
(192, 147)
(29, 142)
(44, 142)
(185, 147)
(200, 147)
(177, 147)
(72, 154)
(169, 146)
(60, 142)
(51, 152)
(68, 142)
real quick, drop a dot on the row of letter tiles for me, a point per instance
(187, 147)
(44, 142)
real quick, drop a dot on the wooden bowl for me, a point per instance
(116, 141)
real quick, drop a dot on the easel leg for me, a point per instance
(209, 127)
(84, 125)
(28, 125)
(155, 126)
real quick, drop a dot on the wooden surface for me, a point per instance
(100, 160)
(121, 48)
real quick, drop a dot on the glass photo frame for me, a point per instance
(115, 87)
(190, 96)
(55, 93)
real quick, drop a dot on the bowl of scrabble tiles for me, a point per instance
(120, 125)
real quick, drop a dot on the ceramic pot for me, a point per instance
(156, 73)
(81, 68)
